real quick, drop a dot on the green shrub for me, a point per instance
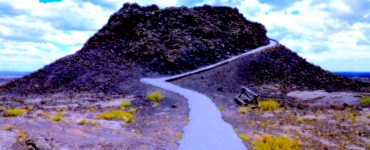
(124, 104)
(268, 105)
(117, 115)
(29, 108)
(15, 112)
(179, 135)
(56, 118)
(262, 124)
(244, 137)
(154, 96)
(91, 109)
(8, 127)
(93, 123)
(242, 110)
(276, 143)
(365, 101)
(82, 122)
(132, 110)
(300, 120)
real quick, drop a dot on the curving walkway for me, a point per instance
(206, 129)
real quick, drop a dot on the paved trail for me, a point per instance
(206, 129)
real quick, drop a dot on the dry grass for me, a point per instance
(137, 131)
(56, 118)
(242, 110)
(21, 135)
(29, 108)
(91, 109)
(82, 122)
(93, 123)
(8, 127)
(268, 105)
(268, 142)
(154, 96)
(244, 137)
(300, 120)
(179, 135)
(15, 112)
(365, 101)
(124, 104)
(156, 104)
(132, 110)
(117, 115)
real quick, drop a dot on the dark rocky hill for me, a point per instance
(272, 73)
(139, 41)
(285, 67)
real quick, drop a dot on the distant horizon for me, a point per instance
(26, 72)
(30, 71)
(14, 74)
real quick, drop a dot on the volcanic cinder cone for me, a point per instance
(148, 41)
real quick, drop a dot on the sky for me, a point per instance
(334, 34)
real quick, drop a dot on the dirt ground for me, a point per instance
(317, 119)
(306, 119)
(314, 129)
(154, 127)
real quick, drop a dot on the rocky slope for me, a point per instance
(285, 67)
(140, 41)
(323, 120)
(272, 73)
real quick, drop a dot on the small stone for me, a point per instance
(267, 114)
(354, 147)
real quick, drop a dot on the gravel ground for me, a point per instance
(153, 127)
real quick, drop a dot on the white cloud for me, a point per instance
(322, 32)
(24, 56)
(38, 33)
(319, 32)
(4, 30)
(68, 38)
(341, 6)
(42, 32)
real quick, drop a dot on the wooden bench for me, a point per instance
(246, 97)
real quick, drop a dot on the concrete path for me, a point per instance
(206, 129)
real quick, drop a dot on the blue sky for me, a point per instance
(334, 34)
